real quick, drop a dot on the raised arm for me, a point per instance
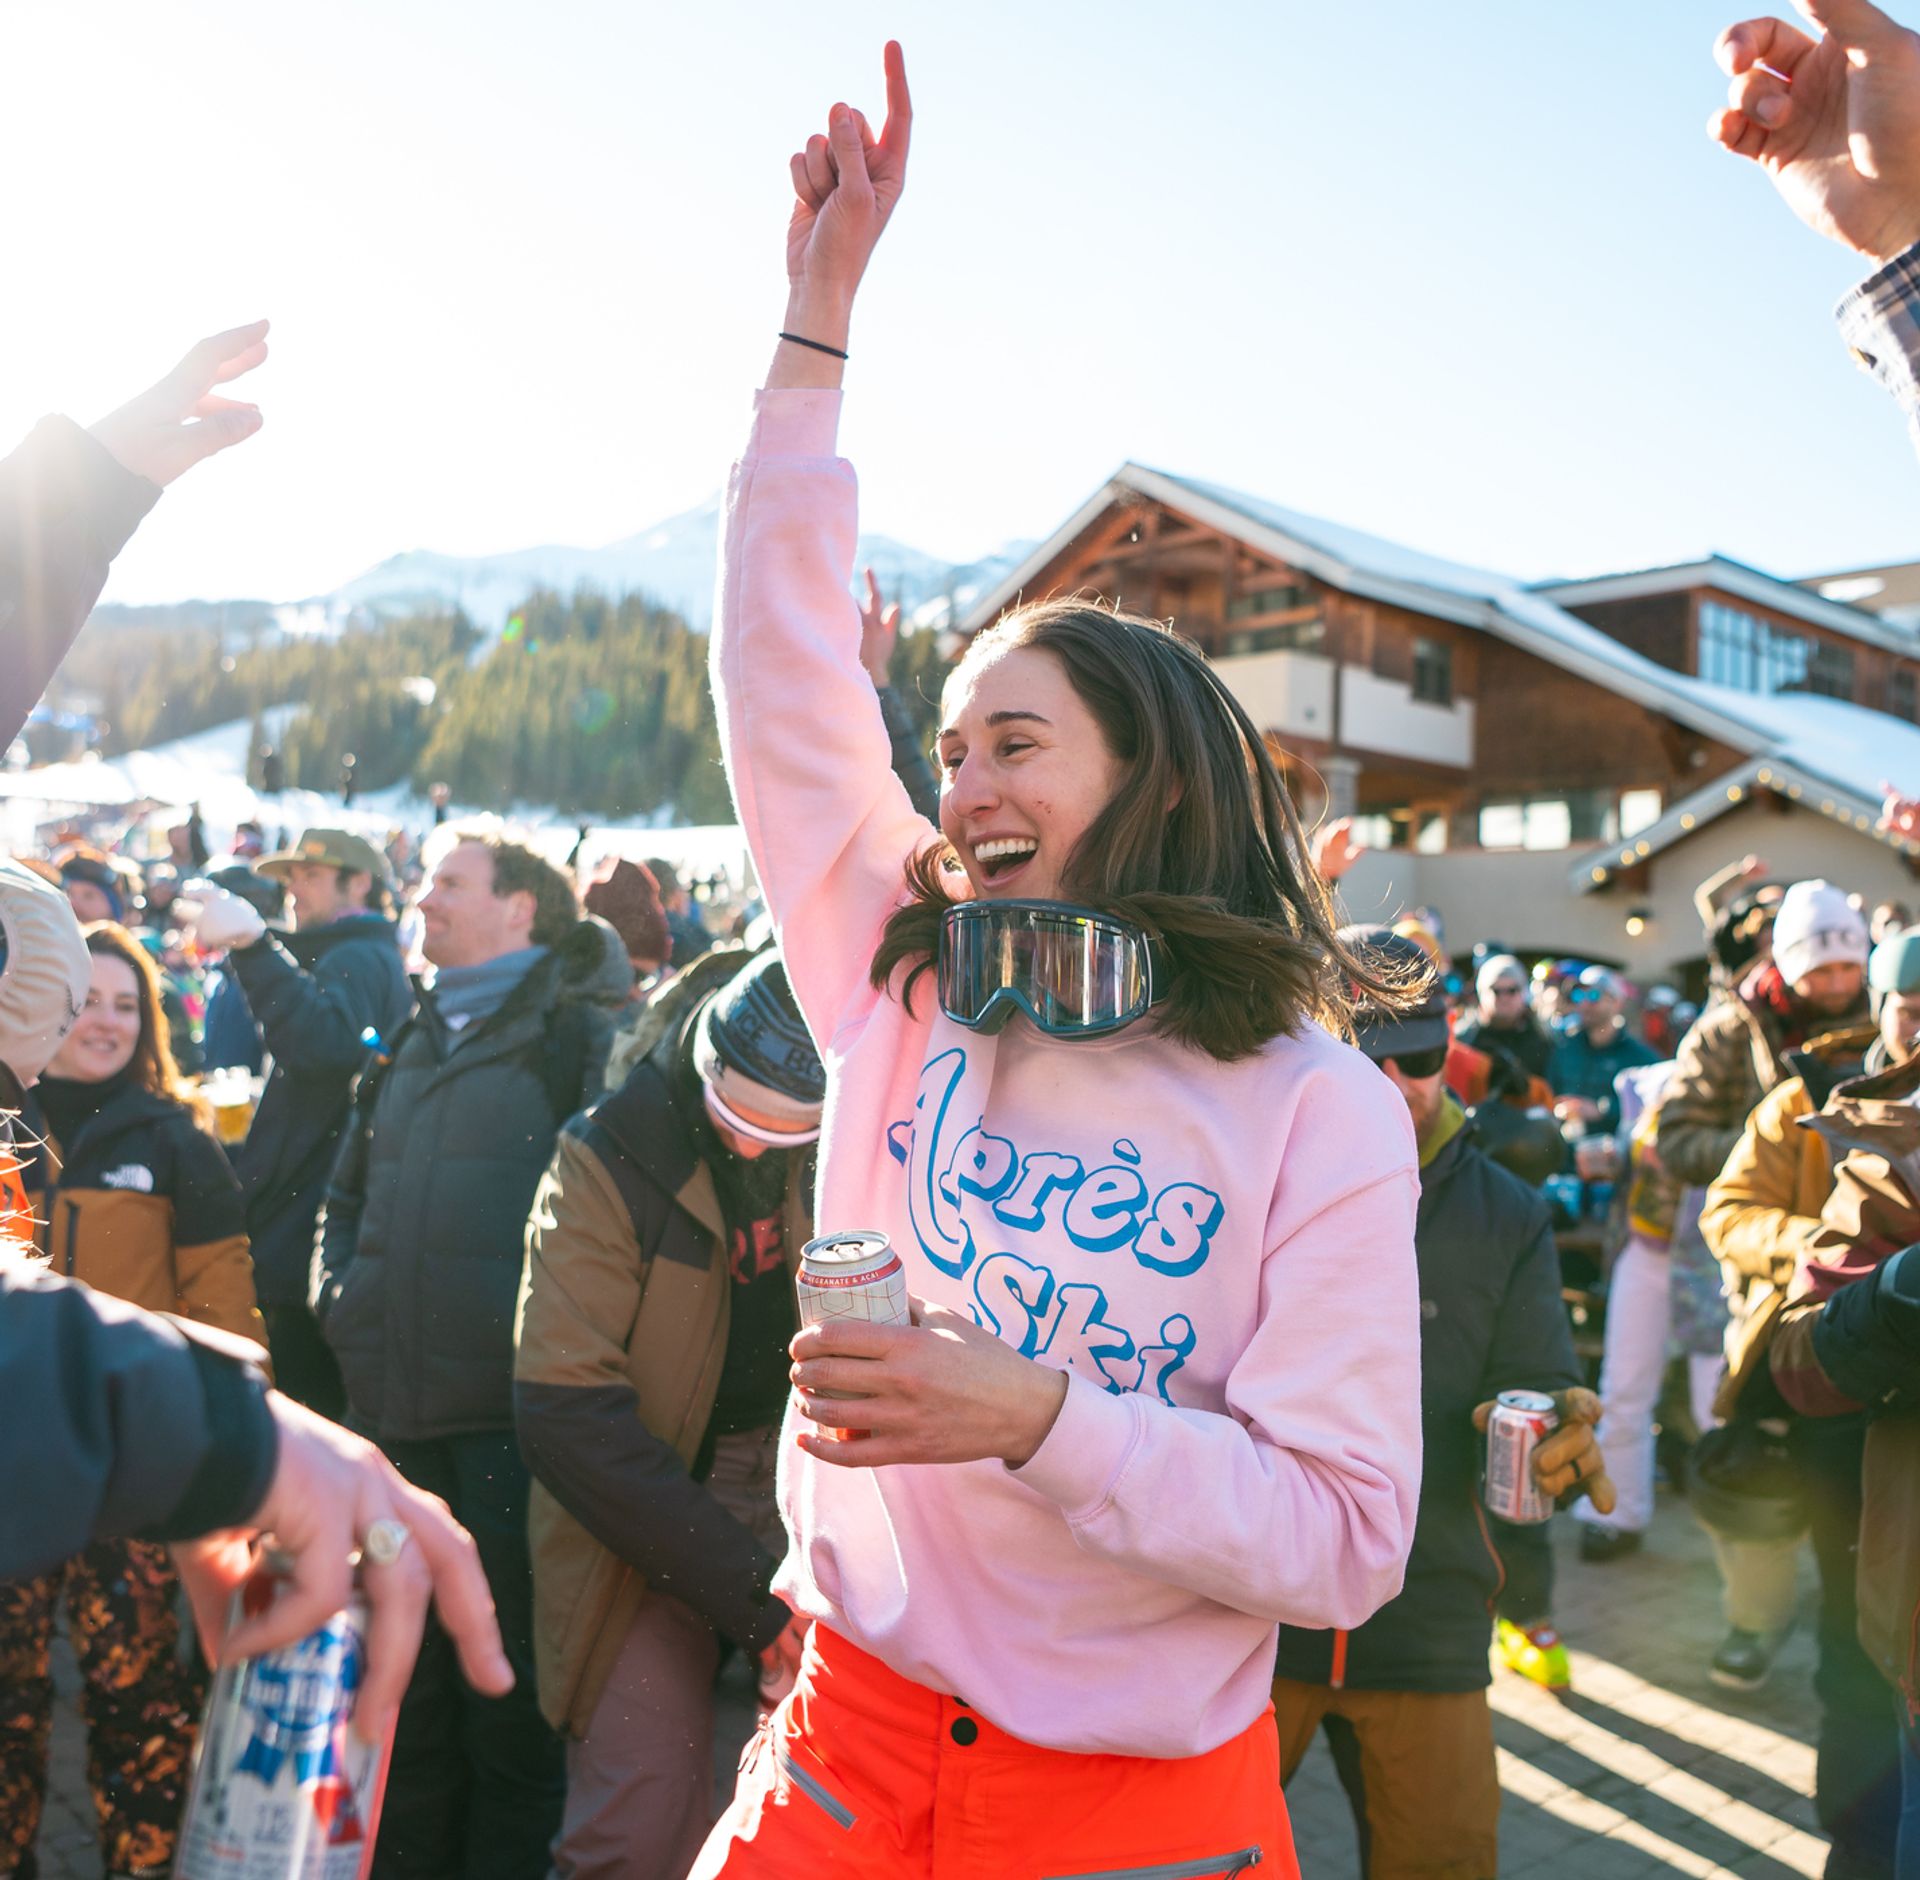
(1835, 121)
(846, 186)
(808, 754)
(69, 499)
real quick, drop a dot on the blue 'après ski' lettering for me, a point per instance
(1103, 1210)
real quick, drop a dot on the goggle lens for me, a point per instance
(1074, 973)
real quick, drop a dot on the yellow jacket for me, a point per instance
(143, 1205)
(1764, 1208)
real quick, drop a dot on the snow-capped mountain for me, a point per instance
(672, 563)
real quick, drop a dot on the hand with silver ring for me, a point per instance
(332, 1492)
(385, 1541)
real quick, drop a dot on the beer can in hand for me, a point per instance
(1521, 1419)
(855, 1275)
(281, 1789)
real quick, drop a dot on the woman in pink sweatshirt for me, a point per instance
(1163, 1389)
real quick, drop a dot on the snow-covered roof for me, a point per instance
(1835, 750)
(1736, 578)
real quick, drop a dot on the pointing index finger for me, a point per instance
(897, 132)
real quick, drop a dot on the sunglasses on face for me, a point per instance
(1509, 992)
(1418, 1064)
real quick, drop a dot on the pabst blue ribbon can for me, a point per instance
(281, 1788)
(1520, 1419)
(855, 1275)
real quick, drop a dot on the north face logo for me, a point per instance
(133, 1175)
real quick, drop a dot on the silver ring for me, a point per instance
(385, 1541)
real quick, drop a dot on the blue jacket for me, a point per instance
(314, 994)
(229, 1035)
(1576, 1069)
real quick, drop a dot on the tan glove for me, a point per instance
(1570, 1457)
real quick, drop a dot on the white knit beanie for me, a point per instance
(45, 974)
(1492, 969)
(1816, 926)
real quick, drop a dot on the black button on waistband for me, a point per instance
(965, 1731)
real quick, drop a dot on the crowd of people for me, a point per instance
(501, 1171)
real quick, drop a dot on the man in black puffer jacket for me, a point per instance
(416, 1275)
(1403, 1697)
(316, 994)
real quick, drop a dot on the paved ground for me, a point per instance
(1645, 1769)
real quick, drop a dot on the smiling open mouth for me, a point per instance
(1000, 857)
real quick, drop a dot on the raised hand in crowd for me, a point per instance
(1900, 815)
(1334, 849)
(847, 185)
(180, 421)
(879, 632)
(224, 920)
(328, 1490)
(1833, 119)
(1570, 1458)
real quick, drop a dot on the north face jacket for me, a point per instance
(142, 1205)
(623, 1324)
(418, 1252)
(315, 994)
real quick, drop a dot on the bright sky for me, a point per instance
(1469, 277)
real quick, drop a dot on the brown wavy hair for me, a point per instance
(1223, 877)
(153, 1067)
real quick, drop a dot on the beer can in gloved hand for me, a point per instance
(1520, 1420)
(855, 1275)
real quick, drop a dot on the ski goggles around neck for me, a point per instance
(1074, 972)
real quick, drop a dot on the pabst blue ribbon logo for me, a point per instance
(296, 1707)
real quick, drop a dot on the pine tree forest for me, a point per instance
(593, 706)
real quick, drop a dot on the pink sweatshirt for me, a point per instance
(1220, 1256)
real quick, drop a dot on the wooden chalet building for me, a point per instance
(1555, 766)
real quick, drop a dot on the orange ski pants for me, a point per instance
(863, 1775)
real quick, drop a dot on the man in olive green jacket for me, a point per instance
(656, 1307)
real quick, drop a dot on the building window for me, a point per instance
(1903, 695)
(1727, 645)
(1374, 829)
(1269, 600)
(1639, 809)
(1831, 673)
(1294, 636)
(1752, 655)
(1432, 672)
(1534, 822)
(1785, 659)
(1424, 830)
